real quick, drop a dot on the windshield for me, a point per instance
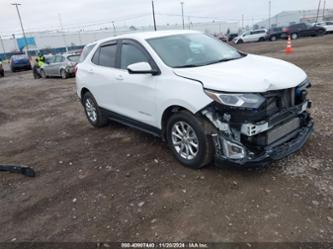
(192, 50)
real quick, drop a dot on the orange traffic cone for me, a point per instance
(289, 49)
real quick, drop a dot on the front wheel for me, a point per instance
(188, 140)
(294, 36)
(93, 112)
(240, 41)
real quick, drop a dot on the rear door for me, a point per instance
(57, 65)
(48, 65)
(101, 74)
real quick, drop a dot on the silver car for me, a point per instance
(60, 66)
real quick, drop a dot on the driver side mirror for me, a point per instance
(141, 68)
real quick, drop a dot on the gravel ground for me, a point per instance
(119, 184)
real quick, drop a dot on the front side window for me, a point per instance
(192, 50)
(130, 54)
(73, 58)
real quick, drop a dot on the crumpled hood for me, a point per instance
(252, 73)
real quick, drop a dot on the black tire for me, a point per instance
(294, 36)
(205, 150)
(262, 39)
(63, 74)
(2, 74)
(43, 74)
(101, 120)
(240, 41)
(273, 38)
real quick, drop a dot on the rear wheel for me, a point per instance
(273, 38)
(261, 39)
(93, 112)
(63, 74)
(240, 41)
(188, 140)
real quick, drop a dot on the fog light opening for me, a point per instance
(233, 150)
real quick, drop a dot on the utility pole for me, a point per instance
(242, 22)
(63, 33)
(3, 47)
(153, 9)
(318, 11)
(19, 15)
(114, 29)
(182, 4)
(324, 10)
(269, 13)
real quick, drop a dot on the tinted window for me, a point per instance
(107, 55)
(86, 51)
(73, 58)
(59, 59)
(130, 54)
(50, 59)
(95, 58)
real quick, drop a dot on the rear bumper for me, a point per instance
(276, 151)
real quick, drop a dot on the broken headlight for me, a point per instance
(245, 100)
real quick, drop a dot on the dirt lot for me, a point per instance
(119, 184)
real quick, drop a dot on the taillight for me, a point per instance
(285, 30)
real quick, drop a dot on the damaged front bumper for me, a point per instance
(260, 142)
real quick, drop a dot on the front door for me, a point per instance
(137, 91)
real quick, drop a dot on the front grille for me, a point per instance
(279, 100)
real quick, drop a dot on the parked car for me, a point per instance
(221, 37)
(328, 26)
(251, 36)
(232, 36)
(60, 65)
(302, 30)
(2, 71)
(20, 62)
(275, 34)
(205, 98)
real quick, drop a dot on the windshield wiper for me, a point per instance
(222, 60)
(189, 65)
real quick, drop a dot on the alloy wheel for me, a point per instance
(91, 110)
(184, 140)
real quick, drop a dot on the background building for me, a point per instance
(57, 41)
(287, 18)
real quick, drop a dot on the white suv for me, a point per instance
(251, 36)
(205, 98)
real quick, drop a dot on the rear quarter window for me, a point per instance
(86, 51)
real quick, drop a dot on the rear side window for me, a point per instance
(130, 54)
(59, 59)
(107, 56)
(73, 58)
(86, 51)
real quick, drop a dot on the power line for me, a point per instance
(182, 5)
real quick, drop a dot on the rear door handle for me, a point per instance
(119, 77)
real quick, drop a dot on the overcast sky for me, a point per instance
(83, 14)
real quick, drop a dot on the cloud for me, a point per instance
(43, 15)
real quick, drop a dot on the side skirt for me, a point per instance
(132, 122)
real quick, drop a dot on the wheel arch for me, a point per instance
(83, 91)
(168, 112)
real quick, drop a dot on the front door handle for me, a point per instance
(119, 77)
